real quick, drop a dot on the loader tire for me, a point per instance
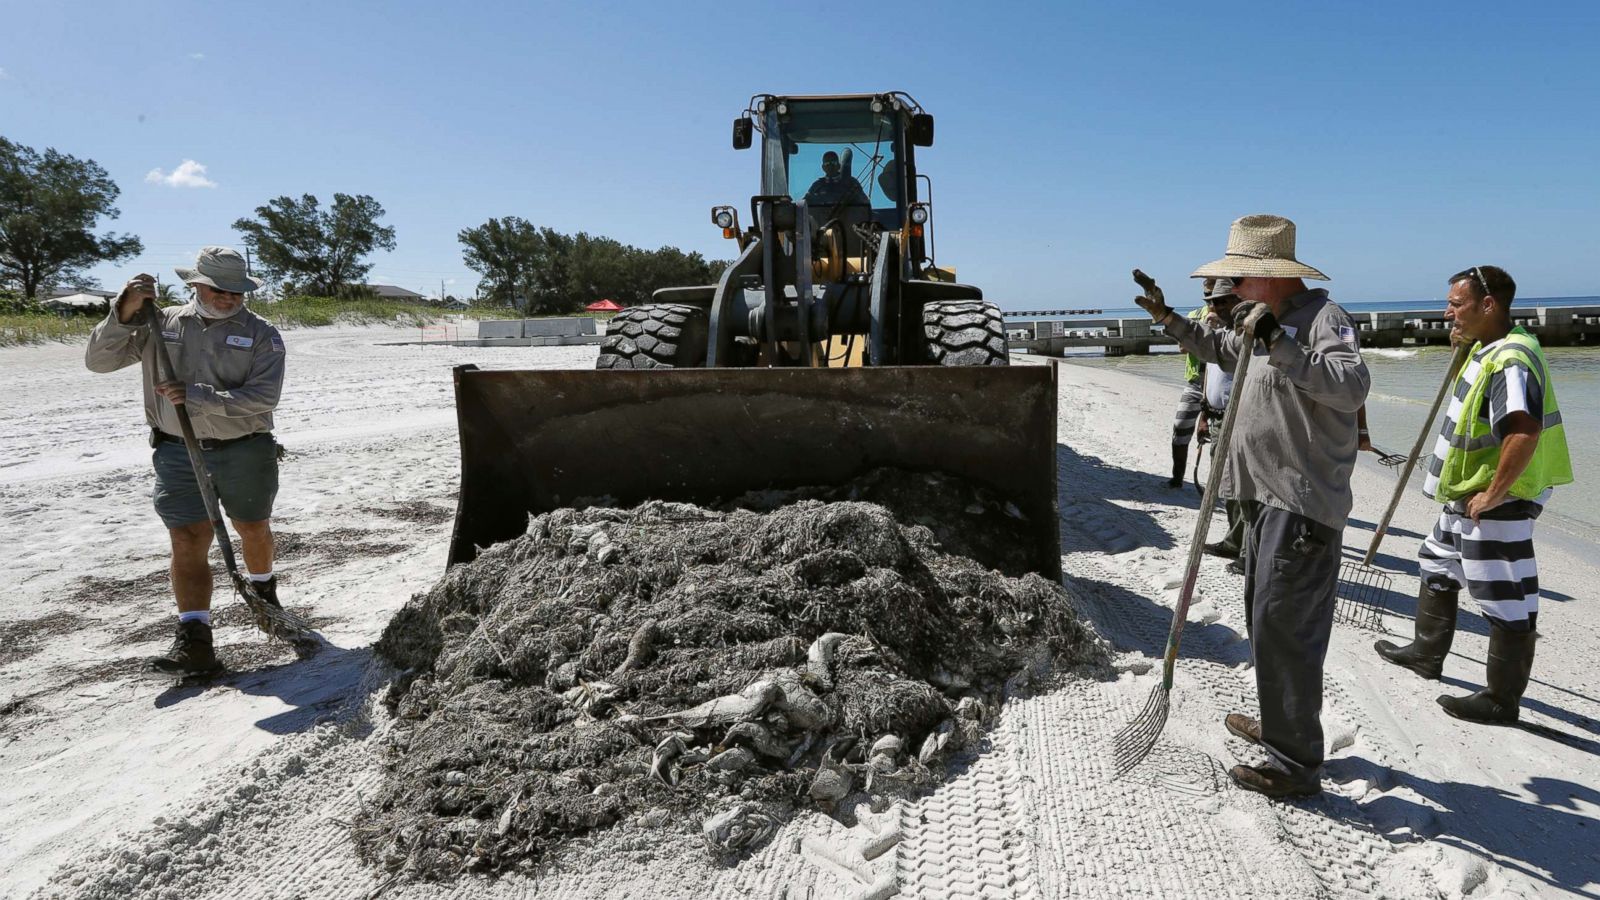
(964, 333)
(655, 336)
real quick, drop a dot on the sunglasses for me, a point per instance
(1477, 272)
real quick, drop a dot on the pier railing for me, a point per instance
(1554, 326)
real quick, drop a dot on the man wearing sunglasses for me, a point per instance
(229, 366)
(1500, 452)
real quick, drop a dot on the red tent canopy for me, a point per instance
(603, 306)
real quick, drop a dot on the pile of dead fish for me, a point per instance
(674, 667)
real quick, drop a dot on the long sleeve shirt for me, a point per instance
(232, 368)
(1295, 444)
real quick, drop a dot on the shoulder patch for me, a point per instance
(276, 343)
(1347, 334)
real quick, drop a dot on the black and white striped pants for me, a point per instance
(1189, 405)
(1493, 558)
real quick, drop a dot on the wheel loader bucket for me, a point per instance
(538, 440)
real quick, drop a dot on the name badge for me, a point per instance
(170, 335)
(239, 340)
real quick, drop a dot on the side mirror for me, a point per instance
(743, 129)
(922, 130)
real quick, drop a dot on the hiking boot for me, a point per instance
(1222, 549)
(1180, 460)
(1275, 782)
(1510, 665)
(1435, 630)
(1241, 725)
(191, 653)
(268, 591)
(1236, 567)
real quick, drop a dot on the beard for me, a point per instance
(211, 312)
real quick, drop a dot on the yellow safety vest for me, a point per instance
(1474, 454)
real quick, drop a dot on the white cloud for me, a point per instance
(197, 56)
(4, 74)
(188, 174)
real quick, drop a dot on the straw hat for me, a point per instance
(1259, 247)
(220, 268)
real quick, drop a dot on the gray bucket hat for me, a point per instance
(1220, 289)
(221, 268)
(1259, 247)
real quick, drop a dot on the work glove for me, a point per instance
(1152, 301)
(1253, 317)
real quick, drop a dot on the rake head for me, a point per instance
(278, 622)
(1363, 596)
(1134, 742)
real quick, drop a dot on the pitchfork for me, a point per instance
(1364, 589)
(1134, 742)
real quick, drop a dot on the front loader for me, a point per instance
(833, 345)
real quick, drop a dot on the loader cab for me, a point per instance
(849, 158)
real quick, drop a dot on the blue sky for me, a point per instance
(1075, 141)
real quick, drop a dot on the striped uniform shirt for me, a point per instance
(1492, 558)
(1515, 388)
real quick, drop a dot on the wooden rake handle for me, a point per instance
(1456, 362)
(1219, 453)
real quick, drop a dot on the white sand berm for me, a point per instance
(112, 784)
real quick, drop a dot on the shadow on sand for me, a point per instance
(1541, 840)
(314, 689)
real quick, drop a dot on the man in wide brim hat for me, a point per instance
(229, 366)
(1289, 463)
(221, 269)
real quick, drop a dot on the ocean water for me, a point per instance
(1404, 382)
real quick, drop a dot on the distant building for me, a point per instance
(392, 292)
(70, 300)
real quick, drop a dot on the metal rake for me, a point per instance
(1133, 743)
(1364, 590)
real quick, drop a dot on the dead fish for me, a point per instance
(748, 704)
(832, 784)
(668, 750)
(734, 759)
(641, 648)
(937, 740)
(885, 753)
(745, 825)
(591, 697)
(758, 738)
(804, 709)
(819, 659)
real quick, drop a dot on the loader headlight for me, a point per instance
(919, 214)
(723, 218)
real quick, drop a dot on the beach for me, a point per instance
(119, 785)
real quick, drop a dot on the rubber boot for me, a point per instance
(268, 591)
(1510, 665)
(191, 654)
(1180, 460)
(1435, 630)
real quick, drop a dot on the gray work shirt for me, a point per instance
(1295, 444)
(233, 368)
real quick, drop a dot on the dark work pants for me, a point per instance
(1291, 568)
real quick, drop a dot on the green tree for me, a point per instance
(504, 251)
(541, 270)
(323, 251)
(49, 206)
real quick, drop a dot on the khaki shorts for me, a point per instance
(245, 473)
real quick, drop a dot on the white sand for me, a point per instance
(114, 784)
